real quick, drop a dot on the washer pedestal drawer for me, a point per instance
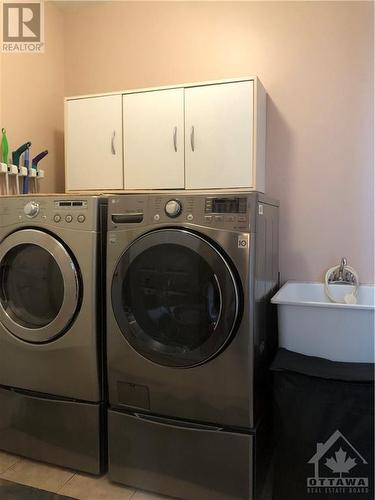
(180, 459)
(60, 432)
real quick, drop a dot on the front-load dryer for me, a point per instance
(51, 329)
(190, 333)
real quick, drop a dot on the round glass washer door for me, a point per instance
(175, 298)
(39, 286)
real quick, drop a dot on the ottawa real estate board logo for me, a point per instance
(22, 26)
(338, 468)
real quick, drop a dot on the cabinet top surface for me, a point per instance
(167, 87)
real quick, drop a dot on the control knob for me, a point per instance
(173, 208)
(31, 209)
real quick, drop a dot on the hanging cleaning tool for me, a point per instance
(26, 161)
(35, 170)
(4, 162)
(4, 146)
(342, 275)
(16, 155)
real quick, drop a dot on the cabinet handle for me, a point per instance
(192, 138)
(175, 138)
(175, 423)
(113, 149)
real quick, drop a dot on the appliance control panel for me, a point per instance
(74, 213)
(226, 212)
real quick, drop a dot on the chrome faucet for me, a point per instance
(341, 275)
(341, 269)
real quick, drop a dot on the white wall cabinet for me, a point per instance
(198, 136)
(154, 139)
(219, 136)
(93, 143)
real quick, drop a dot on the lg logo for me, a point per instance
(243, 242)
(22, 26)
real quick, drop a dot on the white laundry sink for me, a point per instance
(309, 323)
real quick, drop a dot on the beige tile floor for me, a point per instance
(66, 482)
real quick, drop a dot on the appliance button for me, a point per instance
(241, 218)
(156, 217)
(81, 218)
(173, 208)
(31, 209)
(57, 218)
(229, 218)
(190, 217)
(68, 218)
(208, 218)
(218, 218)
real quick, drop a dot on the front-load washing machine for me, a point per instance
(51, 329)
(190, 333)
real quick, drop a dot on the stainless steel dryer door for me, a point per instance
(39, 286)
(175, 298)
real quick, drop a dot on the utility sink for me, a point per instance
(309, 323)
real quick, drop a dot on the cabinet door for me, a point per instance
(94, 143)
(219, 135)
(154, 139)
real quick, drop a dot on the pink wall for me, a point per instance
(314, 58)
(316, 61)
(32, 94)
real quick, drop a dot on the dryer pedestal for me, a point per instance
(58, 431)
(187, 460)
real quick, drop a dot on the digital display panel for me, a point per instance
(70, 203)
(226, 205)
